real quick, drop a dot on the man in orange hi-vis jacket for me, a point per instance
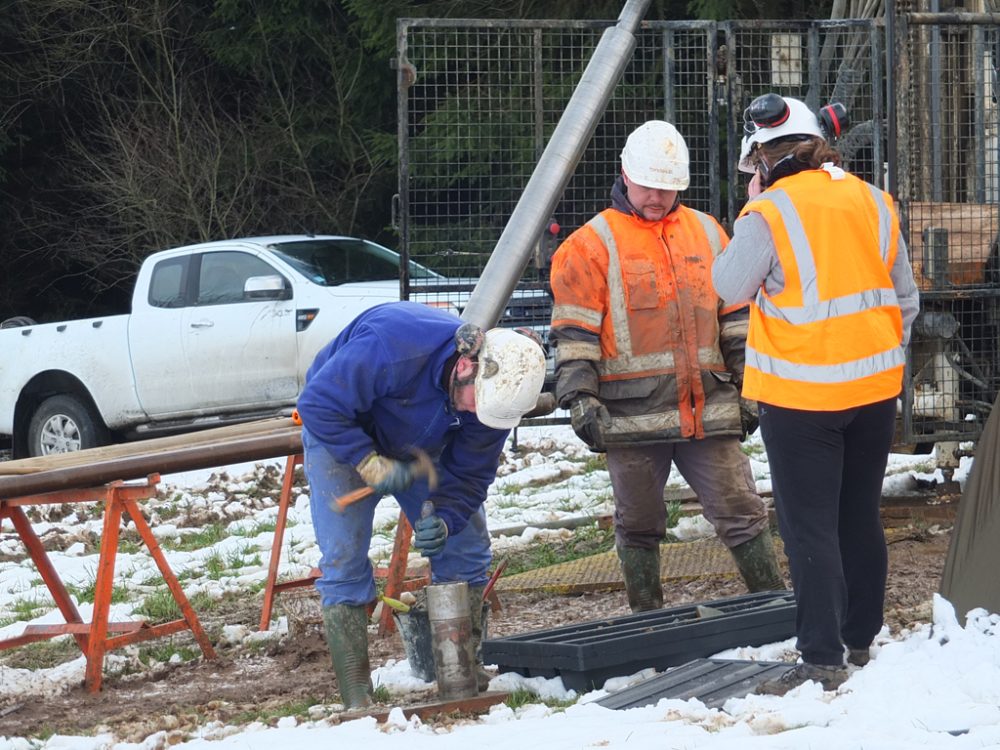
(649, 363)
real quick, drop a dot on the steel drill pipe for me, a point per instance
(558, 162)
(274, 444)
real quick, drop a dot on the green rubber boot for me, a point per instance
(758, 565)
(479, 613)
(641, 571)
(347, 639)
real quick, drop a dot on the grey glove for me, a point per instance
(748, 418)
(429, 535)
(590, 418)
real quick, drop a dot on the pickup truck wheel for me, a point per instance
(63, 424)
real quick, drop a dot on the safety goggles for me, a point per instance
(766, 111)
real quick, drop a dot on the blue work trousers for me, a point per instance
(344, 537)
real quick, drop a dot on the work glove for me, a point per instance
(429, 535)
(748, 418)
(386, 476)
(589, 417)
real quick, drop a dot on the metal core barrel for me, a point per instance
(451, 640)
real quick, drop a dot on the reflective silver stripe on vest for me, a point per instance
(884, 221)
(711, 233)
(645, 424)
(576, 312)
(839, 373)
(813, 309)
(834, 308)
(801, 248)
(616, 297)
(570, 350)
(626, 362)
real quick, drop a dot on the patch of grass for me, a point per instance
(215, 566)
(159, 606)
(585, 541)
(381, 694)
(674, 513)
(29, 609)
(299, 708)
(41, 654)
(163, 653)
(521, 697)
(504, 502)
(263, 527)
(44, 734)
(171, 510)
(243, 557)
(86, 593)
(209, 535)
(597, 462)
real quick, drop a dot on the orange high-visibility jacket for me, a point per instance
(634, 305)
(832, 338)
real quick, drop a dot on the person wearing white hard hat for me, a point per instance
(404, 378)
(649, 362)
(820, 254)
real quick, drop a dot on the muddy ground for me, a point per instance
(288, 677)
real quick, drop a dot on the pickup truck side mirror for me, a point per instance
(266, 287)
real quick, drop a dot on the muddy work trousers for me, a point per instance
(827, 470)
(714, 467)
(344, 537)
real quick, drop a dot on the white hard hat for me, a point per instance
(656, 156)
(789, 117)
(510, 377)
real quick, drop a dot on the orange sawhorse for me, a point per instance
(93, 638)
(397, 578)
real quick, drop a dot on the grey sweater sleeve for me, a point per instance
(901, 274)
(749, 259)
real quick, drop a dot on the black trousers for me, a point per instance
(827, 470)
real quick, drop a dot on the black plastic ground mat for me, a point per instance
(712, 681)
(586, 654)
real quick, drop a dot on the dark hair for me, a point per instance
(809, 153)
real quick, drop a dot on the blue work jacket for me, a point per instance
(379, 387)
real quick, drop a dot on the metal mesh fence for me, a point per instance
(480, 99)
(948, 190)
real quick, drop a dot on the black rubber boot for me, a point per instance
(347, 639)
(479, 613)
(641, 571)
(758, 564)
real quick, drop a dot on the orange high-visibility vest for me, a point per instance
(832, 338)
(644, 287)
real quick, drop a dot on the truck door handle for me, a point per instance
(202, 324)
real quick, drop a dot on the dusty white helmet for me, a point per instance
(796, 119)
(656, 156)
(510, 377)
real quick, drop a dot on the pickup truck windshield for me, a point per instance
(329, 262)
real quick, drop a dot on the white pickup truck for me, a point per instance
(219, 332)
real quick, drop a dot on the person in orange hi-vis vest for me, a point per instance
(820, 253)
(649, 363)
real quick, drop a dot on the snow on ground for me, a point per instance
(936, 687)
